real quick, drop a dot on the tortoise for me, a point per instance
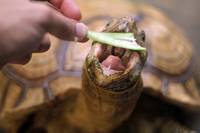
(46, 95)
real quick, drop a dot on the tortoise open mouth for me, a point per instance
(115, 60)
(116, 68)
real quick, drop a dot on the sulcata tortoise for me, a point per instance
(46, 95)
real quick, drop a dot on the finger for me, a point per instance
(59, 25)
(44, 45)
(81, 30)
(23, 60)
(68, 7)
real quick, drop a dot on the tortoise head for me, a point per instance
(111, 77)
(115, 68)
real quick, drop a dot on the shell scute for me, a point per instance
(13, 94)
(59, 90)
(178, 93)
(169, 50)
(33, 97)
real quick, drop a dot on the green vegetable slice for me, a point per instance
(121, 40)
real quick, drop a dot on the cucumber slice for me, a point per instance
(121, 40)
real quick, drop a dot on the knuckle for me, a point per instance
(45, 13)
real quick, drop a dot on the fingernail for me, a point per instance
(81, 31)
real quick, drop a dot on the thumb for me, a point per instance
(62, 27)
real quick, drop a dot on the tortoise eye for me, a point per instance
(143, 36)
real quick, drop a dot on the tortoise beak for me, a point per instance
(113, 67)
(117, 68)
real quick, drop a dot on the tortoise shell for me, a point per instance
(49, 76)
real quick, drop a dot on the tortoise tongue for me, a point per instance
(113, 63)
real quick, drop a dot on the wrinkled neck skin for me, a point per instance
(99, 109)
(105, 102)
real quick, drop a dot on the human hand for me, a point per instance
(24, 26)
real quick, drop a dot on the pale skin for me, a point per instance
(24, 25)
